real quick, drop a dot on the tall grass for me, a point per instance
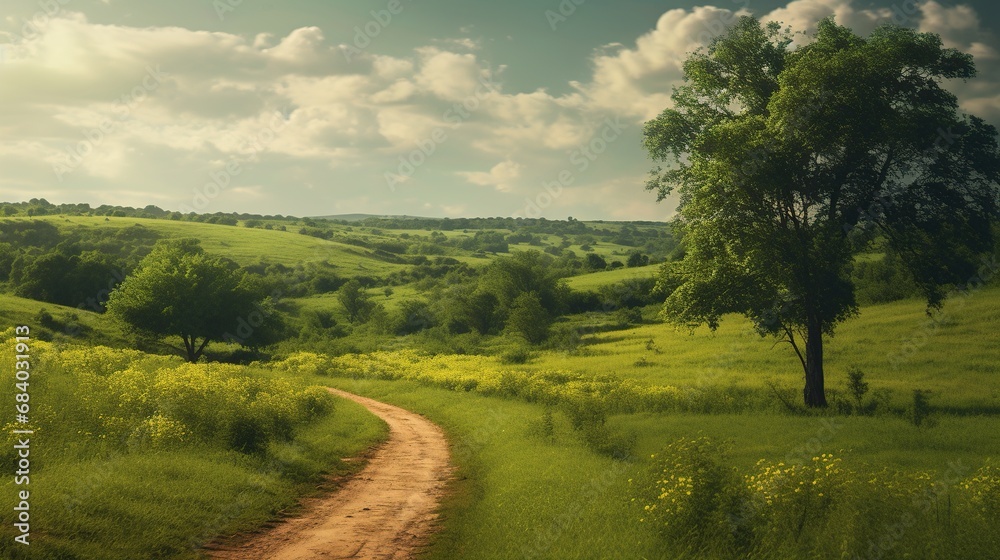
(138, 456)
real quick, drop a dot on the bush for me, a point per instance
(856, 384)
(519, 354)
(626, 317)
(696, 501)
(816, 509)
(247, 435)
(882, 281)
(123, 399)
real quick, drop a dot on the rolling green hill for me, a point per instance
(247, 245)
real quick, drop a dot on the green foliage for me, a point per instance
(178, 290)
(515, 354)
(856, 385)
(149, 457)
(817, 508)
(695, 500)
(356, 301)
(528, 318)
(500, 292)
(630, 293)
(626, 317)
(882, 281)
(636, 258)
(595, 262)
(786, 158)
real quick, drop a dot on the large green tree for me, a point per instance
(180, 290)
(790, 159)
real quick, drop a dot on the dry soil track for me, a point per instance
(387, 510)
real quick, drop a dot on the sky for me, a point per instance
(420, 107)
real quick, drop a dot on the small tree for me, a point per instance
(528, 318)
(857, 385)
(178, 290)
(356, 301)
(636, 258)
(596, 262)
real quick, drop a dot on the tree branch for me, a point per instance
(791, 340)
(201, 348)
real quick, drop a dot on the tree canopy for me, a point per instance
(179, 290)
(790, 160)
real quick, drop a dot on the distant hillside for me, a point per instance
(361, 217)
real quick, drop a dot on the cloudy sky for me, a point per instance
(426, 107)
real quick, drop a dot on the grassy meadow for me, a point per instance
(617, 436)
(142, 456)
(527, 429)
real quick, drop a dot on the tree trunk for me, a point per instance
(189, 347)
(190, 344)
(814, 393)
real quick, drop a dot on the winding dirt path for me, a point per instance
(387, 510)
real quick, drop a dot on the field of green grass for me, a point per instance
(583, 447)
(528, 492)
(900, 348)
(531, 483)
(519, 493)
(595, 280)
(136, 456)
(67, 325)
(248, 245)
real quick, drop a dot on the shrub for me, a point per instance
(626, 317)
(693, 499)
(519, 354)
(856, 384)
(247, 435)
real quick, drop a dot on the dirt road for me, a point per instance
(384, 511)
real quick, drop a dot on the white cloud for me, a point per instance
(803, 15)
(502, 176)
(220, 92)
(636, 82)
(448, 75)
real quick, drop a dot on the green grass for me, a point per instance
(329, 301)
(596, 280)
(105, 487)
(71, 324)
(248, 245)
(521, 493)
(518, 495)
(956, 358)
(135, 506)
(524, 493)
